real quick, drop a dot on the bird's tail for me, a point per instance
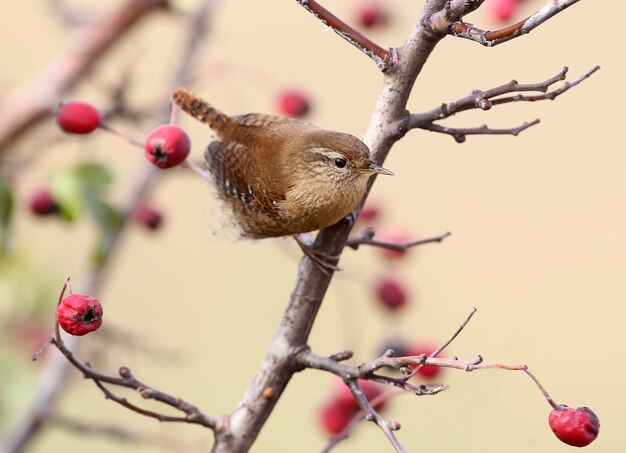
(200, 109)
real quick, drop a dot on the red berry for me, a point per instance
(372, 14)
(42, 203)
(576, 427)
(395, 234)
(334, 418)
(503, 10)
(148, 216)
(167, 146)
(370, 212)
(78, 118)
(79, 314)
(428, 371)
(293, 103)
(391, 293)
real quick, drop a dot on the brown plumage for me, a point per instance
(281, 176)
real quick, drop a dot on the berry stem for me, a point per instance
(130, 140)
(57, 330)
(172, 112)
(541, 388)
(195, 168)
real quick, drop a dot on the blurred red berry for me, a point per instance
(391, 293)
(371, 14)
(42, 203)
(428, 371)
(577, 427)
(167, 146)
(78, 118)
(334, 418)
(293, 103)
(394, 234)
(370, 212)
(503, 10)
(79, 314)
(148, 216)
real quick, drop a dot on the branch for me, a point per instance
(484, 100)
(493, 38)
(126, 379)
(383, 58)
(25, 108)
(387, 426)
(460, 133)
(368, 370)
(246, 421)
(366, 237)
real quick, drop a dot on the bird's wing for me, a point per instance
(234, 173)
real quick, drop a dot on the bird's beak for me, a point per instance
(375, 168)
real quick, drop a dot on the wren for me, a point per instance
(281, 176)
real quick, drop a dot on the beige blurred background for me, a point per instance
(538, 226)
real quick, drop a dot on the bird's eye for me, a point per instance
(339, 162)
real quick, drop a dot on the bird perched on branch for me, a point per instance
(281, 176)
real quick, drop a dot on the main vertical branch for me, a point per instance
(243, 425)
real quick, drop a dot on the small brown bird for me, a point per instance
(281, 176)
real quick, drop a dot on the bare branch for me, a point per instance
(523, 27)
(387, 426)
(485, 100)
(127, 380)
(366, 237)
(383, 58)
(459, 133)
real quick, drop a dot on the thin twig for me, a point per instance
(366, 237)
(345, 432)
(308, 359)
(493, 38)
(459, 133)
(382, 57)
(387, 426)
(126, 379)
(485, 100)
(446, 344)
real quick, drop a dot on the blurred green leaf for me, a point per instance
(82, 186)
(109, 220)
(6, 213)
(66, 190)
